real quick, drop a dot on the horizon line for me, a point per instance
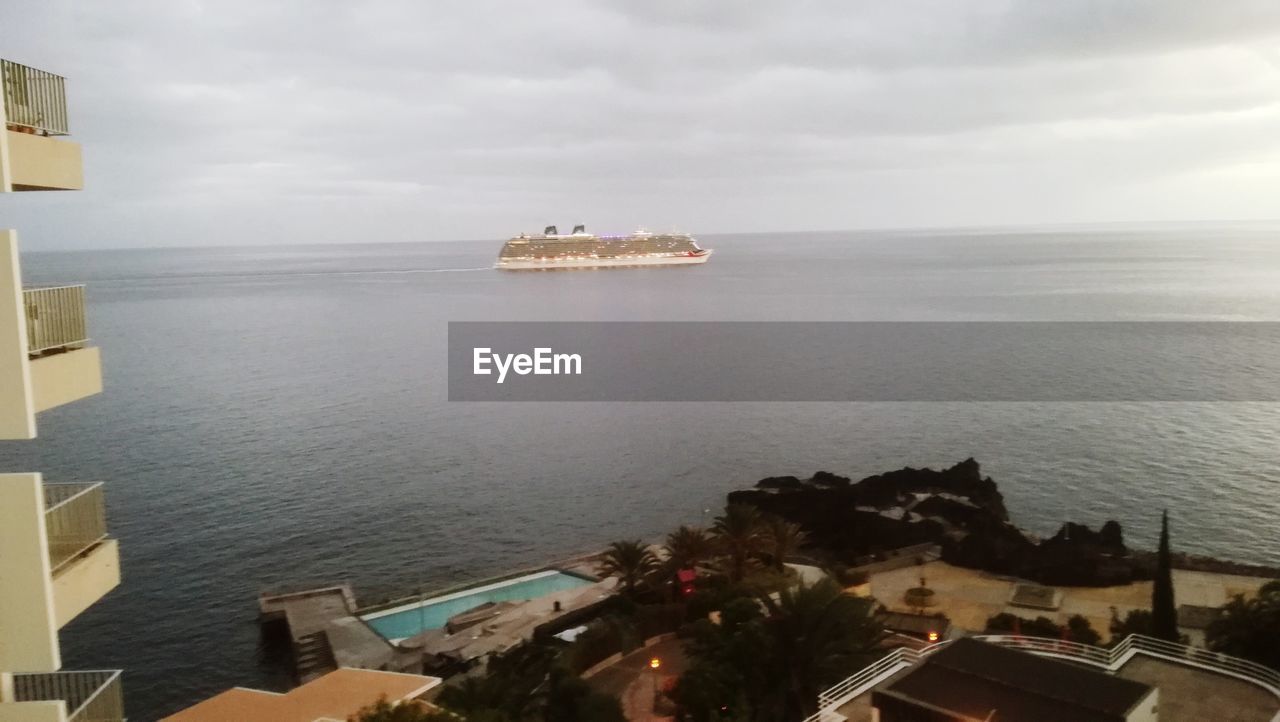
(1039, 227)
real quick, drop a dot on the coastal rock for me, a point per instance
(1079, 556)
(956, 508)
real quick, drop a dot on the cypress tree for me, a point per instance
(1164, 614)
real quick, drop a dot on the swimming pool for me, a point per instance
(410, 619)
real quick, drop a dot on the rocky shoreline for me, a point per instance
(964, 514)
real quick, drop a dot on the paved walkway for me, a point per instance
(969, 597)
(631, 680)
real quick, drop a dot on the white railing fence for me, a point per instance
(55, 318)
(75, 520)
(35, 101)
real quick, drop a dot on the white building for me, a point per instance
(56, 555)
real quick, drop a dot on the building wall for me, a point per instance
(39, 163)
(28, 628)
(6, 184)
(890, 709)
(33, 712)
(33, 603)
(1148, 710)
(83, 582)
(17, 410)
(61, 378)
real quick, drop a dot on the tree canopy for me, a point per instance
(630, 561)
(687, 547)
(771, 654)
(1250, 628)
(384, 711)
(1164, 611)
(739, 532)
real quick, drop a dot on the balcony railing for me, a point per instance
(34, 101)
(55, 319)
(75, 519)
(90, 696)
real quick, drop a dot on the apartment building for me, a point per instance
(57, 557)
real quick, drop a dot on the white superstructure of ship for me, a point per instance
(580, 249)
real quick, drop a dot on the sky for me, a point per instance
(307, 121)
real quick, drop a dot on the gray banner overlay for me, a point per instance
(776, 361)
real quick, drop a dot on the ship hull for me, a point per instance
(553, 264)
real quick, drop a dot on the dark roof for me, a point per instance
(918, 624)
(973, 678)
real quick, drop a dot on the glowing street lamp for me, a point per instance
(654, 664)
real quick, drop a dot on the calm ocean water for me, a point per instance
(276, 416)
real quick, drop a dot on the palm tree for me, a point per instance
(629, 561)
(689, 546)
(738, 532)
(817, 635)
(782, 538)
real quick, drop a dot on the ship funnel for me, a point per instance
(579, 229)
(550, 231)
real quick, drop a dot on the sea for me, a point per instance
(277, 417)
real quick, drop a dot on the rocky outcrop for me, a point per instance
(956, 508)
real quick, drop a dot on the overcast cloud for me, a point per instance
(295, 121)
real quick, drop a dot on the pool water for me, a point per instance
(410, 619)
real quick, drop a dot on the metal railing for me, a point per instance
(864, 680)
(75, 519)
(1110, 660)
(35, 101)
(55, 318)
(90, 696)
(1196, 657)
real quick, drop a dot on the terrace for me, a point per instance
(1194, 684)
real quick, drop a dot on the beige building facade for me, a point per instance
(57, 557)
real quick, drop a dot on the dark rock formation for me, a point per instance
(956, 508)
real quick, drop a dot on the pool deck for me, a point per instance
(509, 628)
(325, 629)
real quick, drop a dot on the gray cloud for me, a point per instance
(291, 121)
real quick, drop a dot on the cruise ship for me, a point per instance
(580, 249)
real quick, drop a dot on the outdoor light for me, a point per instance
(655, 663)
(933, 636)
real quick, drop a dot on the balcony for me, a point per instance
(67, 697)
(75, 520)
(64, 368)
(35, 110)
(55, 319)
(83, 561)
